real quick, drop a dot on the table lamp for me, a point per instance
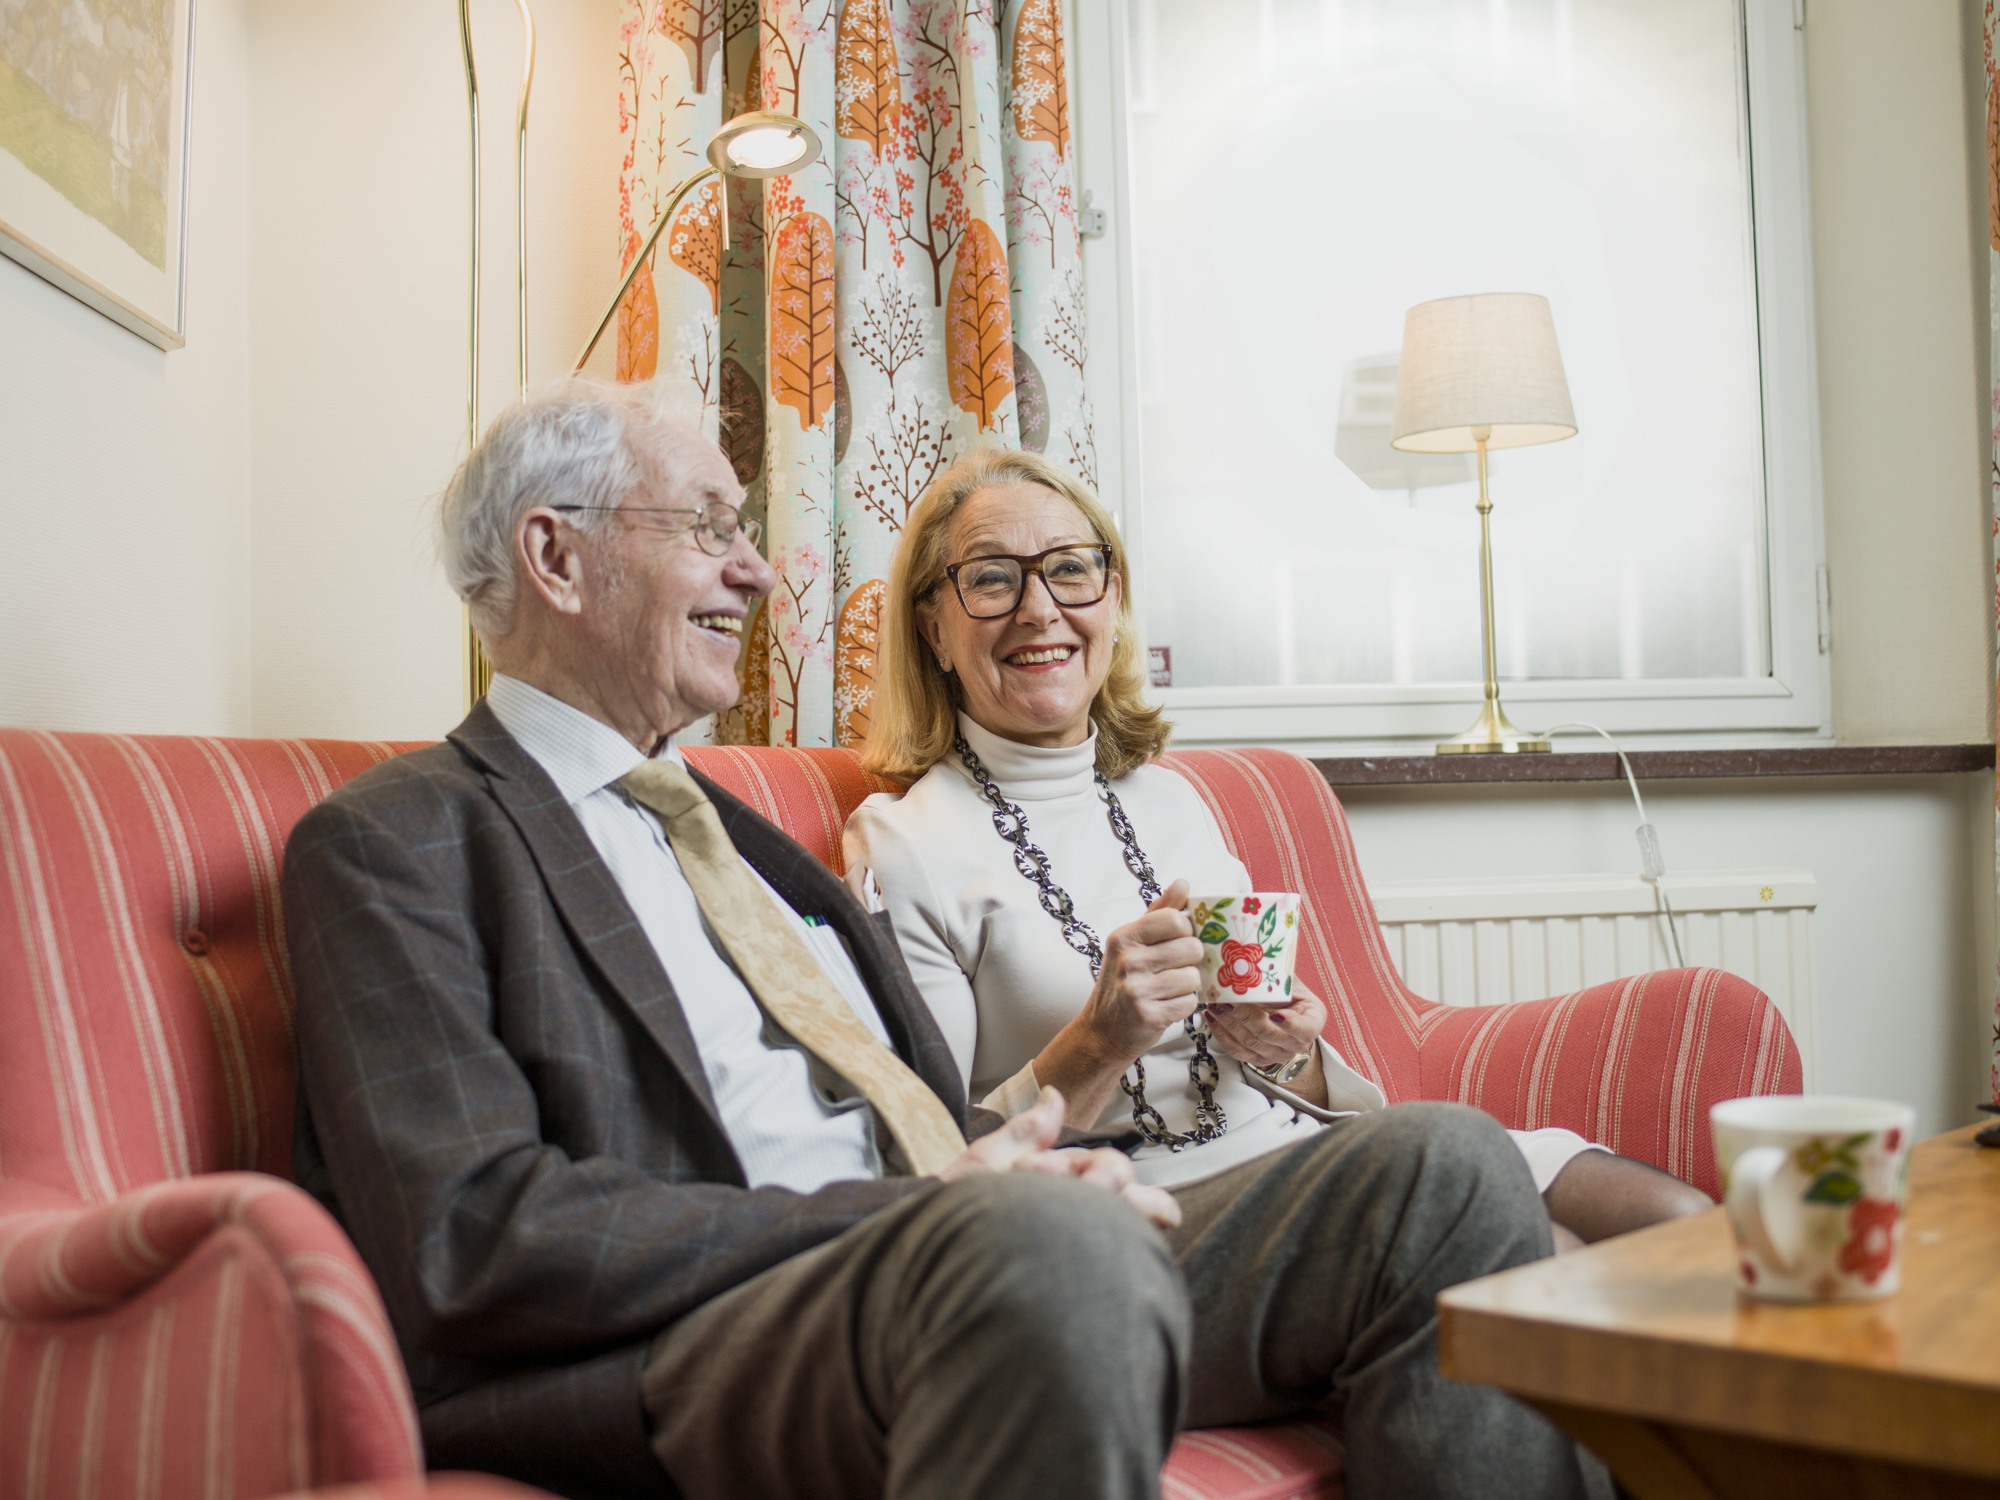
(1477, 373)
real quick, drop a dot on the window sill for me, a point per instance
(1657, 765)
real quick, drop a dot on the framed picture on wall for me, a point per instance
(94, 101)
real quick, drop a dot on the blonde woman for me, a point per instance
(1037, 868)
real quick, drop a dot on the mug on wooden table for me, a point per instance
(1815, 1186)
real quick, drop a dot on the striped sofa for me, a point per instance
(176, 1319)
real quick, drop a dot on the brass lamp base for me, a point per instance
(1491, 734)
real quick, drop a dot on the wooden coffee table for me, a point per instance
(1641, 1350)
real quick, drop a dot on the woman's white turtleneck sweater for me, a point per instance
(1002, 982)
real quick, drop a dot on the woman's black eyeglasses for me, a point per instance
(715, 525)
(1074, 575)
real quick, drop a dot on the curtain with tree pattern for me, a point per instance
(916, 291)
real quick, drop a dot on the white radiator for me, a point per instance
(1484, 942)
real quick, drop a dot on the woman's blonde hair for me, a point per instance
(915, 713)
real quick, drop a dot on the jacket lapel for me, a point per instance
(811, 889)
(585, 895)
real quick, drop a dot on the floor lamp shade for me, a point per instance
(1488, 361)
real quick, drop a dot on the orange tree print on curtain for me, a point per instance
(914, 293)
(796, 70)
(1039, 76)
(1039, 209)
(979, 326)
(868, 112)
(801, 319)
(638, 323)
(668, 326)
(868, 99)
(854, 650)
(694, 242)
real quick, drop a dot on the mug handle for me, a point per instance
(1769, 1221)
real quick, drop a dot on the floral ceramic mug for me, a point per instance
(1249, 945)
(1814, 1186)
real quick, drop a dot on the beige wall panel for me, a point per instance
(1903, 432)
(358, 240)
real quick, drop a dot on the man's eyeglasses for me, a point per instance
(992, 586)
(715, 525)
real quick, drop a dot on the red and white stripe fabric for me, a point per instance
(175, 1319)
(1299, 1460)
(808, 793)
(1633, 1064)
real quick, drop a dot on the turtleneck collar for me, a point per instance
(1029, 773)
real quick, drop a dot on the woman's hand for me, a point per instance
(1265, 1035)
(1026, 1144)
(1151, 970)
(1147, 982)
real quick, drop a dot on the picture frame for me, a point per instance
(95, 108)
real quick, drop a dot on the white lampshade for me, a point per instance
(1486, 361)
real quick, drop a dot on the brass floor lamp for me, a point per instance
(1478, 373)
(479, 671)
(761, 143)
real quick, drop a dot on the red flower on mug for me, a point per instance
(1871, 1238)
(1893, 1139)
(1242, 966)
(1251, 906)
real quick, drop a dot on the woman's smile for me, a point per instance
(1040, 658)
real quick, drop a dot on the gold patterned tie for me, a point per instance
(783, 974)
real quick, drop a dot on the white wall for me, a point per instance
(358, 270)
(124, 470)
(1903, 415)
(1902, 999)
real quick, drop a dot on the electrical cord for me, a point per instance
(1652, 866)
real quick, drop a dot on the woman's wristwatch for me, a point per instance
(1284, 1072)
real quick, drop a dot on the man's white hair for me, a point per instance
(580, 442)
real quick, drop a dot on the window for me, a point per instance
(1287, 179)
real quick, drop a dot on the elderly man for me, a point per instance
(659, 1161)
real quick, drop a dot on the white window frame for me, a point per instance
(1792, 706)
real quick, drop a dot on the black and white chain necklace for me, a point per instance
(1012, 825)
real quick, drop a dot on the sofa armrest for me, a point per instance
(215, 1334)
(1633, 1064)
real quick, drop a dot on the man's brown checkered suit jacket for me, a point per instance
(501, 1101)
